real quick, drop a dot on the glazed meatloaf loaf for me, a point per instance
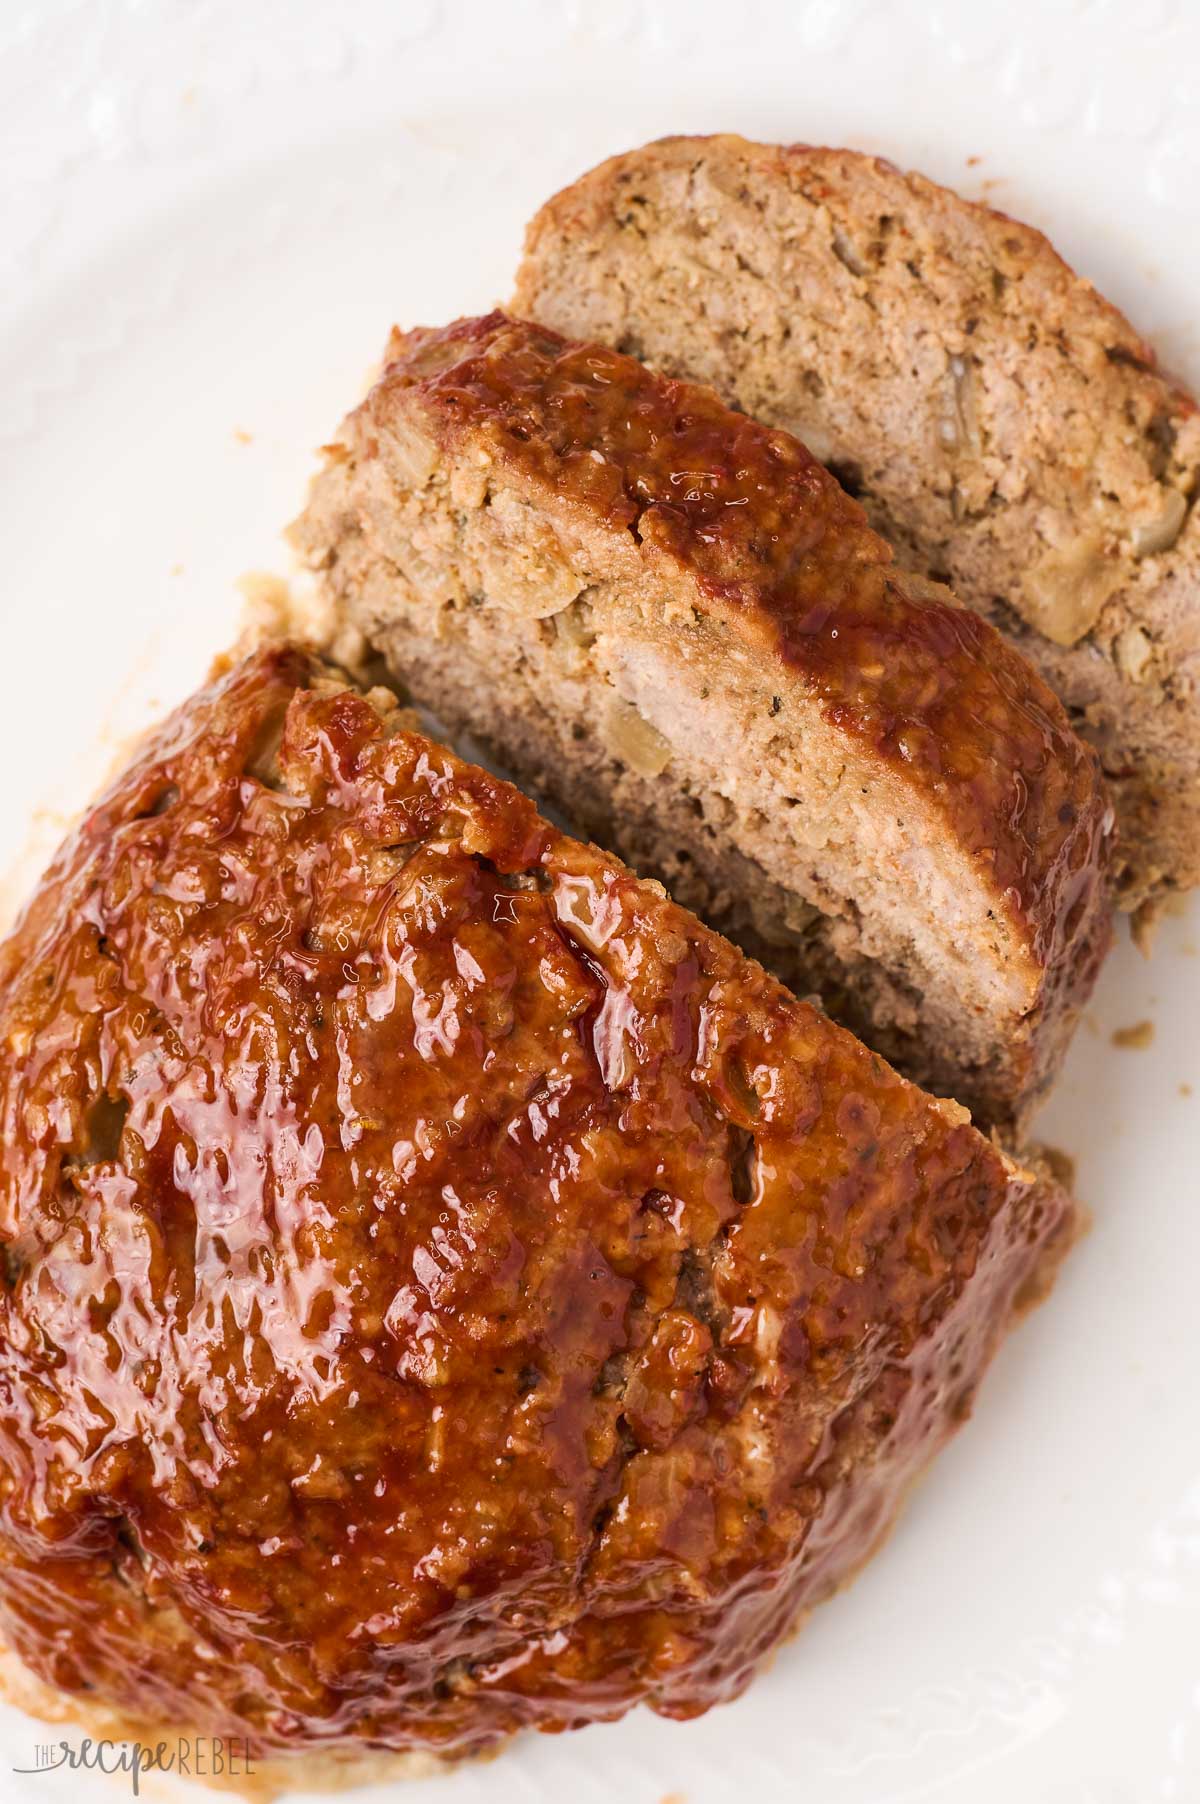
(446, 1287)
(1006, 429)
(674, 624)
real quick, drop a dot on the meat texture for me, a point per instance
(1006, 429)
(671, 622)
(446, 1288)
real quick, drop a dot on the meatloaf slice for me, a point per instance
(1003, 425)
(446, 1288)
(674, 624)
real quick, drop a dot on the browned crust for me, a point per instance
(659, 1519)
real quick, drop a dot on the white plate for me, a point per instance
(213, 212)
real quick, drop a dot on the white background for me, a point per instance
(211, 215)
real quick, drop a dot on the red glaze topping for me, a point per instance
(446, 1288)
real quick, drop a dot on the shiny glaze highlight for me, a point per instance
(446, 1288)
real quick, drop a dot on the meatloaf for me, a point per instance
(1004, 426)
(445, 1287)
(673, 623)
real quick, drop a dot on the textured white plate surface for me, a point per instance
(211, 215)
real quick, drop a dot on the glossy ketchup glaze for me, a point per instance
(445, 1287)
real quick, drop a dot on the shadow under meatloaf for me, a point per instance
(672, 623)
(446, 1287)
(1003, 424)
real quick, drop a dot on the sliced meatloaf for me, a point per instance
(1005, 428)
(445, 1287)
(674, 624)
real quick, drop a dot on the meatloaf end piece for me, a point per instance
(1003, 425)
(445, 1287)
(672, 623)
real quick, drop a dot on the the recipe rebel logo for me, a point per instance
(195, 1757)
